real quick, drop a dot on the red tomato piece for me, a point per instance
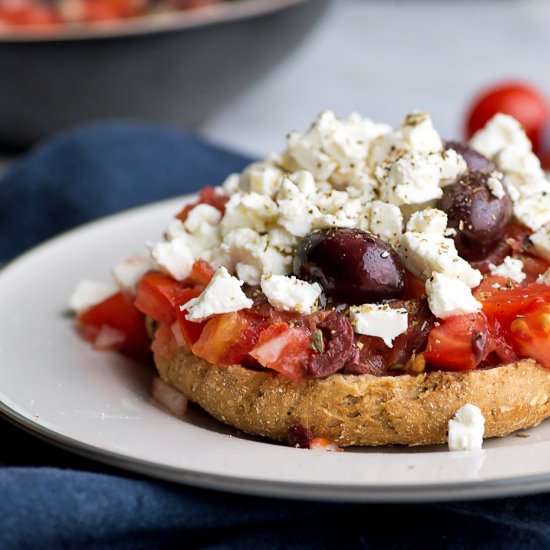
(164, 344)
(530, 334)
(201, 273)
(459, 343)
(160, 296)
(227, 339)
(533, 266)
(284, 350)
(520, 100)
(119, 314)
(207, 196)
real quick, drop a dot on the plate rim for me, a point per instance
(425, 492)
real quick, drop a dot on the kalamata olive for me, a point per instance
(352, 266)
(475, 161)
(478, 217)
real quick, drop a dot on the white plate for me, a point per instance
(97, 404)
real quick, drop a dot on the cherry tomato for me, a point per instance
(459, 343)
(517, 99)
(118, 312)
(531, 334)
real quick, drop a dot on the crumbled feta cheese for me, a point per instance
(87, 294)
(202, 213)
(541, 242)
(448, 297)
(501, 131)
(511, 268)
(223, 294)
(416, 133)
(333, 146)
(174, 230)
(379, 320)
(466, 429)
(424, 254)
(534, 212)
(249, 274)
(129, 272)
(297, 214)
(174, 257)
(416, 177)
(544, 278)
(229, 186)
(250, 210)
(290, 293)
(262, 178)
(429, 220)
(282, 240)
(386, 221)
(494, 182)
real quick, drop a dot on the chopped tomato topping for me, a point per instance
(201, 273)
(207, 196)
(227, 339)
(530, 334)
(285, 350)
(459, 343)
(115, 323)
(532, 267)
(160, 296)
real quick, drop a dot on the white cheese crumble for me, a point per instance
(129, 272)
(425, 253)
(448, 297)
(511, 268)
(429, 220)
(223, 294)
(494, 182)
(501, 131)
(87, 294)
(541, 242)
(386, 221)
(174, 257)
(466, 429)
(379, 320)
(290, 293)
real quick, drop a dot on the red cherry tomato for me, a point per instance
(522, 101)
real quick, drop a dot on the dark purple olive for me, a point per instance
(475, 161)
(479, 218)
(352, 266)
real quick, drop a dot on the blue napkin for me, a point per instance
(52, 499)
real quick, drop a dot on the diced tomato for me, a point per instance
(160, 296)
(118, 313)
(459, 343)
(207, 196)
(530, 334)
(415, 287)
(502, 303)
(201, 273)
(164, 344)
(284, 350)
(227, 339)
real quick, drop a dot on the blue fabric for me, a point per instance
(53, 499)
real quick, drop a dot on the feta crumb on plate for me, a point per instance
(129, 272)
(87, 294)
(379, 320)
(290, 293)
(222, 295)
(466, 429)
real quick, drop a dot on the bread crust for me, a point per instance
(363, 409)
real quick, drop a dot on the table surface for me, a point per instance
(386, 58)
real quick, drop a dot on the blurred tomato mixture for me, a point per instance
(53, 13)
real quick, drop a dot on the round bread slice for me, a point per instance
(363, 409)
